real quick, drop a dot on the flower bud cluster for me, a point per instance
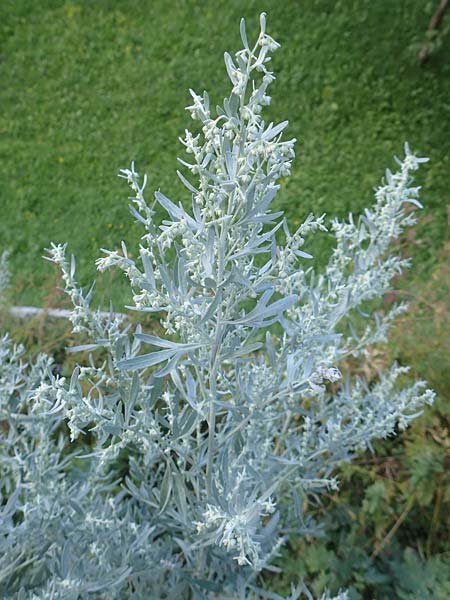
(234, 528)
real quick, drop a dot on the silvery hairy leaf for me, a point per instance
(178, 458)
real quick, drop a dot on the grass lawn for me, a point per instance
(86, 87)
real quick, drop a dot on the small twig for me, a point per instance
(25, 312)
(415, 297)
(434, 24)
(435, 518)
(379, 547)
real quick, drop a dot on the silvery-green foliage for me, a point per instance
(176, 463)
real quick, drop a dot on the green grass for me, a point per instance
(89, 86)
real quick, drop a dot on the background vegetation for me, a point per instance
(88, 86)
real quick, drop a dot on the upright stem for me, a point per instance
(283, 432)
(211, 430)
(224, 225)
(214, 366)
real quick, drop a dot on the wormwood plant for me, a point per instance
(176, 465)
